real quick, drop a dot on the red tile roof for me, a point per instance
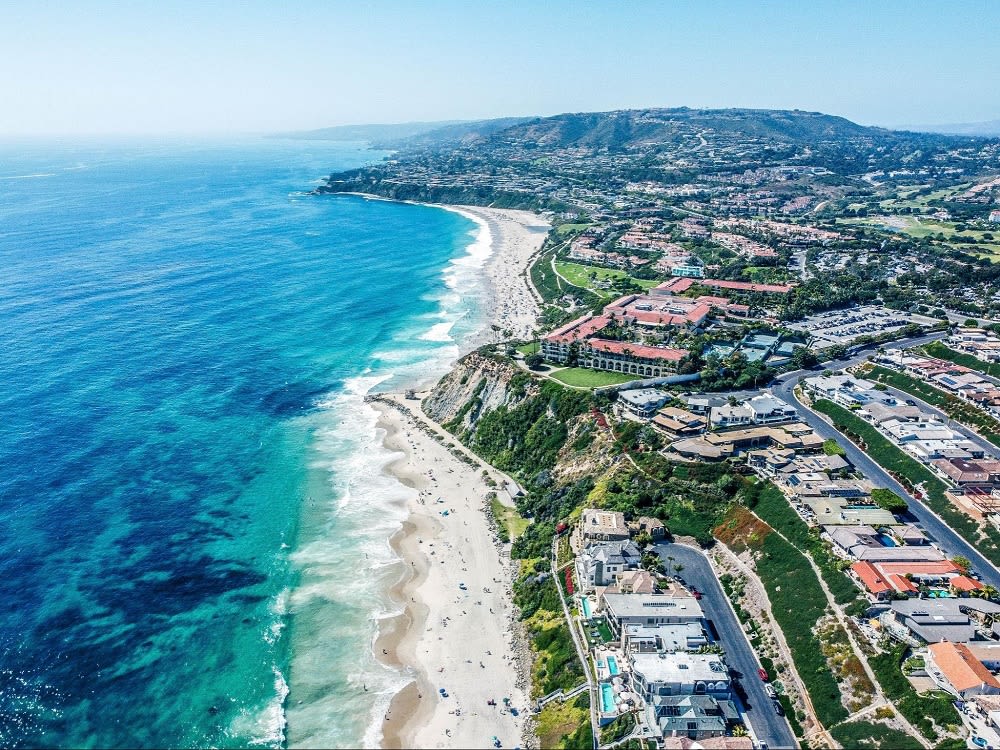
(578, 329)
(637, 350)
(964, 583)
(678, 285)
(871, 578)
(960, 666)
(939, 568)
(746, 286)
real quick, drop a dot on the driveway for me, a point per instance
(698, 572)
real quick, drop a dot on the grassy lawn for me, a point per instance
(956, 408)
(939, 350)
(510, 519)
(911, 473)
(563, 229)
(584, 378)
(530, 348)
(579, 275)
(915, 226)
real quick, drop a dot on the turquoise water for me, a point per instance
(585, 603)
(607, 698)
(195, 516)
(885, 540)
(612, 666)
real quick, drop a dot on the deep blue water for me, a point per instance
(185, 337)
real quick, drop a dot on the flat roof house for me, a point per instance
(598, 525)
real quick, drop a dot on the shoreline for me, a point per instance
(447, 490)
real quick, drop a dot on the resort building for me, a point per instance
(578, 343)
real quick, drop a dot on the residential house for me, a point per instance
(698, 718)
(597, 525)
(956, 669)
(642, 403)
(602, 562)
(936, 620)
(677, 424)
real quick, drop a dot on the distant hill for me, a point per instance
(411, 134)
(372, 133)
(989, 129)
(627, 128)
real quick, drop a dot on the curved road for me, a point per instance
(918, 513)
(698, 572)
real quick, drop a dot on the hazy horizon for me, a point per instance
(100, 69)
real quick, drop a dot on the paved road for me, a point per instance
(918, 513)
(697, 572)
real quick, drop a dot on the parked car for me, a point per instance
(769, 689)
(762, 673)
(777, 708)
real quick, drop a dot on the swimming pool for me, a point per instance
(885, 540)
(607, 698)
(585, 605)
(613, 666)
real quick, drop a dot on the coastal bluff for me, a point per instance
(477, 384)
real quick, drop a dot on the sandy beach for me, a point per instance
(457, 629)
(512, 302)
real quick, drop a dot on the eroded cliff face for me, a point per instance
(476, 385)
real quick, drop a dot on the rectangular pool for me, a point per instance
(613, 666)
(607, 699)
(585, 606)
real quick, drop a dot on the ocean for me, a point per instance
(194, 549)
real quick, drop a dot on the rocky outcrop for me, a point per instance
(477, 384)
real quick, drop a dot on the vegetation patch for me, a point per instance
(555, 664)
(741, 529)
(770, 504)
(508, 520)
(797, 605)
(846, 664)
(912, 474)
(923, 711)
(566, 726)
(862, 734)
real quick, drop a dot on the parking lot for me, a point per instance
(844, 326)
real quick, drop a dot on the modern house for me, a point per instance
(642, 403)
(602, 562)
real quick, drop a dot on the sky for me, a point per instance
(102, 68)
